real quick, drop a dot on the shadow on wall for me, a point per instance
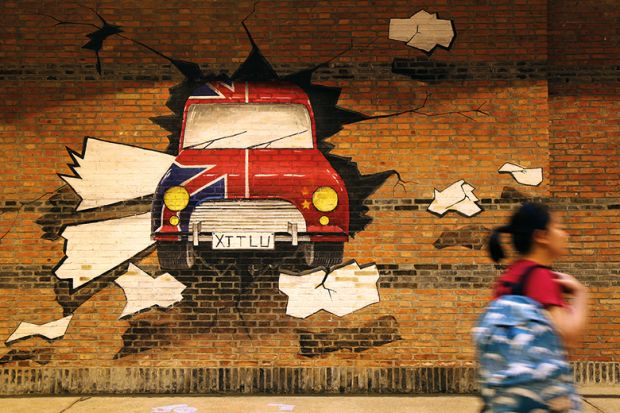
(230, 293)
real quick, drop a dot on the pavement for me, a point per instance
(597, 399)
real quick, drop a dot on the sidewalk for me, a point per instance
(599, 399)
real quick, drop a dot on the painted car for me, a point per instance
(249, 175)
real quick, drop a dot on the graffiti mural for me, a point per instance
(107, 173)
(279, 196)
(247, 200)
(375, 333)
(52, 330)
(116, 241)
(471, 236)
(524, 176)
(249, 175)
(143, 291)
(342, 291)
(457, 197)
(423, 30)
(511, 193)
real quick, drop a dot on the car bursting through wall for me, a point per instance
(249, 176)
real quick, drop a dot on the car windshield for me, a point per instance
(247, 126)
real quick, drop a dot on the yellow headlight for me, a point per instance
(176, 198)
(325, 199)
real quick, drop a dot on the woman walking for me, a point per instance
(523, 333)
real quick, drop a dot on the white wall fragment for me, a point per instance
(341, 292)
(305, 294)
(143, 291)
(354, 288)
(423, 31)
(51, 330)
(524, 176)
(111, 172)
(457, 197)
(94, 248)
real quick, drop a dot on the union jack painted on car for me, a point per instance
(249, 175)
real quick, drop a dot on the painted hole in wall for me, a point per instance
(229, 201)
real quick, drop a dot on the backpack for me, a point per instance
(518, 346)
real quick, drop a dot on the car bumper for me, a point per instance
(197, 236)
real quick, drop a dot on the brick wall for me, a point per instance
(545, 75)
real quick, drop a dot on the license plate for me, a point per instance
(243, 241)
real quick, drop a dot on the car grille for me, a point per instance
(251, 216)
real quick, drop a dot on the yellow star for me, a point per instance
(306, 204)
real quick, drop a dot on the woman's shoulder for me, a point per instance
(519, 267)
(539, 285)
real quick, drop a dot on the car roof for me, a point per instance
(277, 91)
